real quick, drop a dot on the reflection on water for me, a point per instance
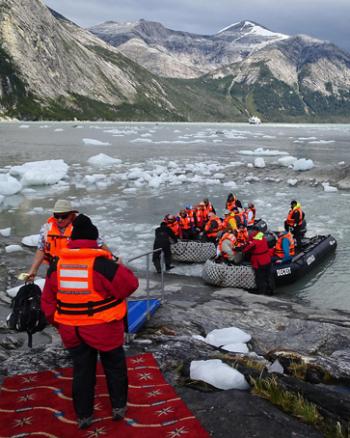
(127, 219)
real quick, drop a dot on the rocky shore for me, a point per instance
(311, 346)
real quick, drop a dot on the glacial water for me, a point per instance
(165, 166)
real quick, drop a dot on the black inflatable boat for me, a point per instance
(314, 250)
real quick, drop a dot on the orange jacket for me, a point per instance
(78, 303)
(210, 228)
(278, 248)
(201, 217)
(54, 240)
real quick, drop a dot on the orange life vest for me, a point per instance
(175, 227)
(252, 220)
(78, 303)
(185, 223)
(242, 237)
(214, 231)
(279, 249)
(291, 221)
(201, 216)
(226, 236)
(55, 241)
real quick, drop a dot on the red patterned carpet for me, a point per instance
(40, 404)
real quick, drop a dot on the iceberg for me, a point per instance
(37, 173)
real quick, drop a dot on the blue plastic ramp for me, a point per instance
(137, 313)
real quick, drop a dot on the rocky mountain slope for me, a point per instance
(171, 53)
(51, 68)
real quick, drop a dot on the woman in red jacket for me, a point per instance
(84, 297)
(260, 258)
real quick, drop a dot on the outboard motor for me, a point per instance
(261, 224)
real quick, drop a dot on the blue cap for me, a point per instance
(188, 207)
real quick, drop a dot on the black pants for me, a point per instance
(264, 280)
(84, 377)
(167, 257)
(298, 235)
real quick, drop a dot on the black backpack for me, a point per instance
(26, 315)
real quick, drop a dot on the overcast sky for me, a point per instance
(323, 19)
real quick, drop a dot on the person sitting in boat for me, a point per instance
(285, 247)
(209, 206)
(186, 225)
(201, 216)
(164, 236)
(211, 228)
(173, 224)
(242, 237)
(296, 221)
(226, 248)
(250, 214)
(230, 201)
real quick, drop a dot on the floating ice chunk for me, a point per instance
(292, 182)
(93, 179)
(321, 141)
(136, 173)
(36, 173)
(94, 142)
(231, 184)
(5, 232)
(142, 140)
(218, 374)
(251, 178)
(13, 248)
(303, 164)
(102, 160)
(259, 162)
(130, 190)
(287, 161)
(262, 151)
(229, 335)
(24, 126)
(219, 176)
(58, 130)
(250, 165)
(31, 240)
(238, 347)
(9, 185)
(12, 292)
(328, 188)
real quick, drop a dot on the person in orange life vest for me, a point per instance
(285, 248)
(226, 247)
(230, 201)
(209, 206)
(294, 221)
(173, 224)
(234, 218)
(190, 213)
(212, 227)
(162, 239)
(84, 297)
(55, 235)
(250, 214)
(201, 216)
(260, 259)
(242, 236)
(186, 225)
(225, 222)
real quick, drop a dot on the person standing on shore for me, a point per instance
(84, 297)
(260, 258)
(55, 235)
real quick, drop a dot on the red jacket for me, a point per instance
(109, 279)
(259, 250)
